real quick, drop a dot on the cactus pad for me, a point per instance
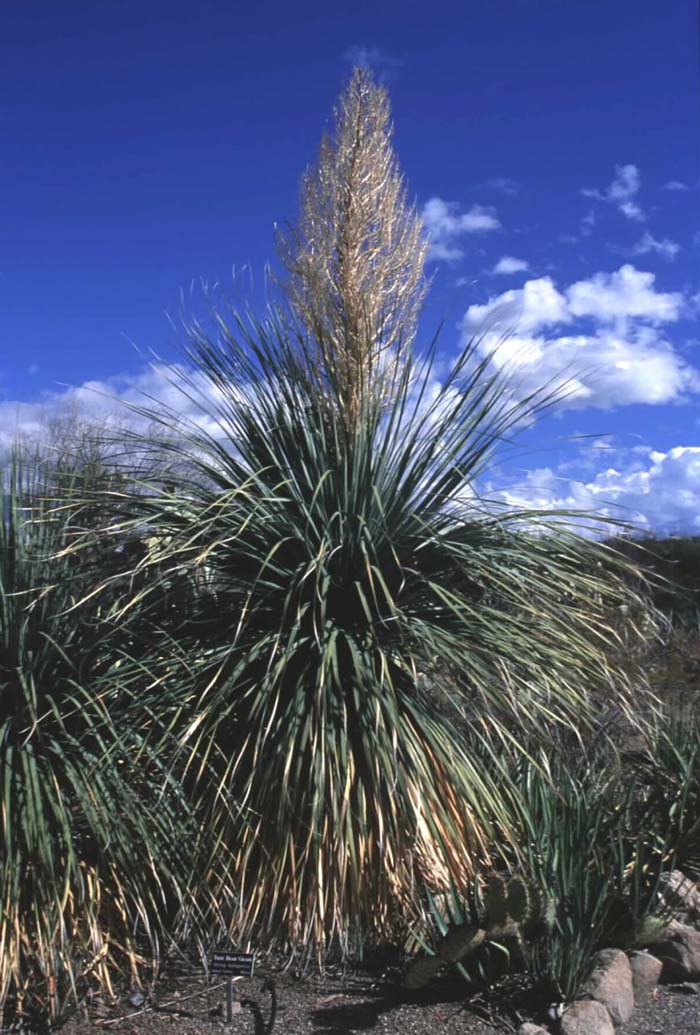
(519, 901)
(422, 971)
(460, 941)
(496, 901)
(649, 930)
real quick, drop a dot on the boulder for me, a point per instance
(646, 972)
(679, 952)
(532, 1029)
(586, 1017)
(681, 894)
(610, 983)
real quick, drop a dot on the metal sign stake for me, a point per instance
(229, 1001)
(233, 966)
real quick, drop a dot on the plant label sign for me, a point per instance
(230, 963)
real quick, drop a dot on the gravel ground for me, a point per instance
(331, 1006)
(323, 1006)
(671, 1011)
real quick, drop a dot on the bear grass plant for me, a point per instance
(94, 828)
(259, 686)
(358, 607)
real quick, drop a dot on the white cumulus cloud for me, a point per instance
(666, 248)
(446, 225)
(657, 491)
(621, 192)
(628, 292)
(537, 304)
(509, 264)
(100, 403)
(624, 358)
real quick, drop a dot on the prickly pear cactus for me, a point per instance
(421, 972)
(460, 941)
(648, 931)
(625, 931)
(515, 910)
(496, 901)
(519, 903)
(543, 913)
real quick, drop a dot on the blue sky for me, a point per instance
(553, 147)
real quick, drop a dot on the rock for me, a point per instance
(679, 952)
(531, 1029)
(682, 894)
(646, 972)
(137, 998)
(586, 1017)
(688, 988)
(610, 983)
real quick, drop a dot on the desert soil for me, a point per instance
(351, 1004)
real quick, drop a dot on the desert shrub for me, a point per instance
(666, 770)
(93, 826)
(359, 605)
(582, 845)
(671, 570)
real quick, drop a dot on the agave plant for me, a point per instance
(360, 606)
(94, 830)
(668, 774)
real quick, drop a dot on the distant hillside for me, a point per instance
(677, 560)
